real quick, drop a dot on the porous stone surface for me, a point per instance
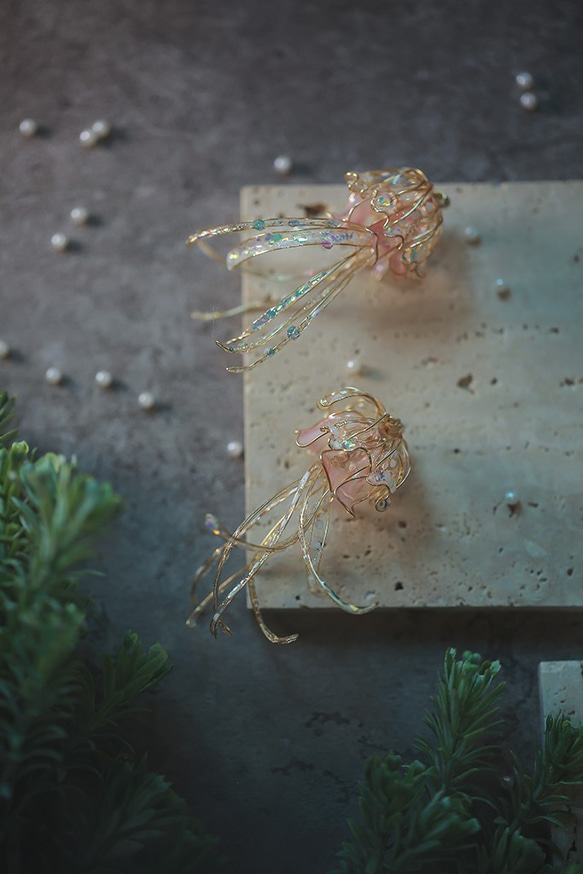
(488, 382)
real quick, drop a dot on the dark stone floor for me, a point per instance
(268, 743)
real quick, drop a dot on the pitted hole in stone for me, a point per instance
(465, 381)
(569, 571)
(398, 586)
(401, 523)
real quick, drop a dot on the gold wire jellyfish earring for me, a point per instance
(362, 456)
(392, 222)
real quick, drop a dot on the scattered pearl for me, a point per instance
(104, 379)
(4, 349)
(88, 139)
(101, 129)
(502, 289)
(525, 81)
(283, 165)
(472, 235)
(79, 216)
(54, 376)
(512, 499)
(60, 242)
(146, 400)
(529, 101)
(235, 449)
(354, 365)
(28, 127)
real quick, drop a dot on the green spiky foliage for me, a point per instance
(466, 805)
(74, 797)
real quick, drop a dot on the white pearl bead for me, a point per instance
(354, 366)
(525, 81)
(472, 235)
(529, 101)
(101, 128)
(235, 449)
(282, 165)
(60, 242)
(104, 379)
(54, 376)
(4, 349)
(79, 216)
(512, 499)
(88, 139)
(146, 400)
(28, 127)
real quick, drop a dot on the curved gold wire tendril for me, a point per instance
(392, 223)
(362, 456)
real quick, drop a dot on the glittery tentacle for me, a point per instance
(301, 227)
(313, 524)
(270, 539)
(236, 539)
(311, 233)
(287, 320)
(312, 558)
(272, 542)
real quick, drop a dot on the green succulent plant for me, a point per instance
(74, 797)
(466, 806)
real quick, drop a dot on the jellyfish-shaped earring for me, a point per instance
(391, 223)
(361, 456)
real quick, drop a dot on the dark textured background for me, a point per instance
(267, 742)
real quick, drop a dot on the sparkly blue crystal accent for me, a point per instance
(271, 351)
(211, 523)
(259, 224)
(293, 332)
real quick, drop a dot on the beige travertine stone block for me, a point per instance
(561, 689)
(490, 390)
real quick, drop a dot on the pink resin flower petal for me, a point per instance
(314, 439)
(340, 468)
